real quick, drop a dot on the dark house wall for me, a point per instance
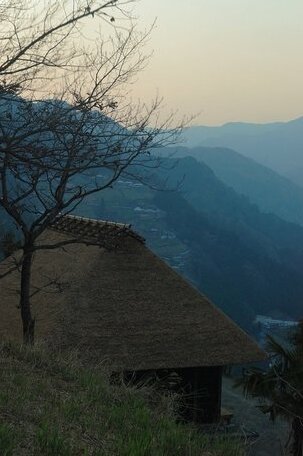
(199, 387)
(202, 399)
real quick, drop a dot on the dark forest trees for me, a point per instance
(65, 115)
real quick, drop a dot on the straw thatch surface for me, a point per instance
(124, 305)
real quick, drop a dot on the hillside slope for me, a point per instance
(51, 405)
(271, 191)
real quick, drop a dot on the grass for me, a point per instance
(7, 439)
(50, 405)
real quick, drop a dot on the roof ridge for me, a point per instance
(89, 227)
(97, 221)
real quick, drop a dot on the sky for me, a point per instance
(224, 60)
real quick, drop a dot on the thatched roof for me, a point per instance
(124, 305)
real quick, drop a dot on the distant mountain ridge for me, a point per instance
(278, 145)
(271, 191)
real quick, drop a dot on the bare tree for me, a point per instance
(65, 115)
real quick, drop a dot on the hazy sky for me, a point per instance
(227, 59)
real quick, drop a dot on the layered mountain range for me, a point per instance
(278, 145)
(272, 192)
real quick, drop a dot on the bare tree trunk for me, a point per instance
(27, 320)
(297, 427)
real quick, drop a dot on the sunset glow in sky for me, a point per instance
(229, 60)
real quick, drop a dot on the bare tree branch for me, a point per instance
(68, 128)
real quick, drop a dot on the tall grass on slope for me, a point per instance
(52, 406)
